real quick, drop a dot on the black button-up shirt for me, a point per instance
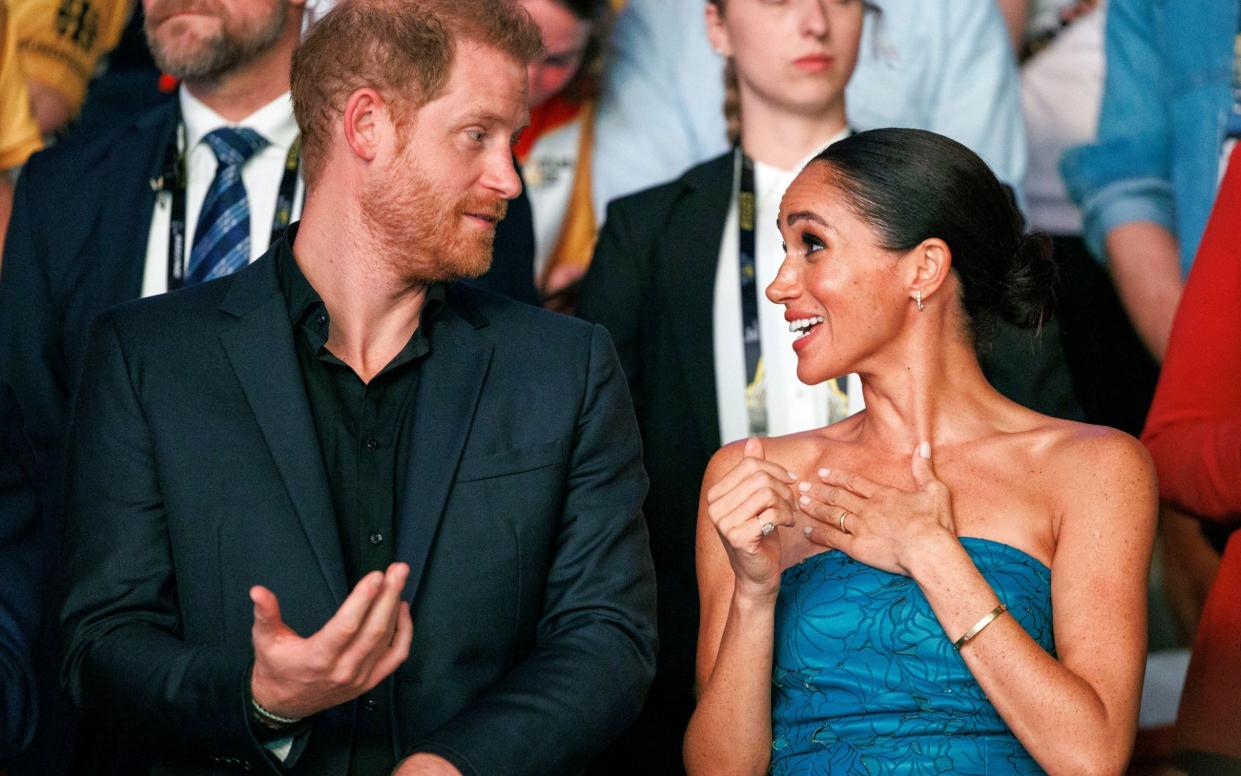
(365, 434)
(365, 429)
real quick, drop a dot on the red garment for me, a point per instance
(1209, 719)
(548, 117)
(1194, 434)
(1194, 426)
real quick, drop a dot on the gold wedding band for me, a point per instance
(841, 521)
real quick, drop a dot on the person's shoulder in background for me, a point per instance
(60, 43)
(19, 135)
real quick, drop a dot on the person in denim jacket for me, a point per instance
(1147, 184)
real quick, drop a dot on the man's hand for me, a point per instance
(423, 764)
(364, 642)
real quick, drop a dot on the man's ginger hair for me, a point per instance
(403, 49)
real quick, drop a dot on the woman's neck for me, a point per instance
(930, 388)
(783, 138)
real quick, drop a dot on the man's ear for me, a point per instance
(364, 120)
(929, 266)
(717, 33)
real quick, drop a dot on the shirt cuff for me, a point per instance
(280, 748)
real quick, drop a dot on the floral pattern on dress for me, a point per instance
(865, 681)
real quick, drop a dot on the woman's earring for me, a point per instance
(918, 300)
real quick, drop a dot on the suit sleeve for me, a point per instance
(586, 678)
(125, 660)
(1193, 430)
(21, 572)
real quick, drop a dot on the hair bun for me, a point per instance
(1029, 287)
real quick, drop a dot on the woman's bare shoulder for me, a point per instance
(804, 452)
(1074, 449)
(793, 451)
(1097, 473)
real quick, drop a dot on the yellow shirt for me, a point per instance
(61, 41)
(19, 137)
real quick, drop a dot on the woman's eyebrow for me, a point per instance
(804, 215)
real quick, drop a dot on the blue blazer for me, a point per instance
(195, 472)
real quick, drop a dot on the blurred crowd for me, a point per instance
(1111, 122)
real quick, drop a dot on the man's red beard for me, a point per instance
(429, 238)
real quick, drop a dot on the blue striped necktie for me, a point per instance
(222, 237)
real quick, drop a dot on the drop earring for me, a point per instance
(918, 300)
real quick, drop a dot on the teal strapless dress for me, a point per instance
(866, 682)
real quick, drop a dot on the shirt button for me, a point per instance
(377, 538)
(320, 320)
(370, 704)
(372, 443)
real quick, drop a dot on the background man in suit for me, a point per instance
(340, 414)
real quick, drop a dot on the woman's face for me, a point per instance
(564, 40)
(793, 55)
(839, 286)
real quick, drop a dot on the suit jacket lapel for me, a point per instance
(260, 348)
(449, 386)
(125, 211)
(694, 231)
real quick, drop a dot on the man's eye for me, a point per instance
(477, 135)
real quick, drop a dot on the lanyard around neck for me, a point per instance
(174, 178)
(747, 255)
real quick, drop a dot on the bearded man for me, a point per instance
(191, 191)
(339, 513)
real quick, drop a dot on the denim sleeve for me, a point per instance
(1125, 175)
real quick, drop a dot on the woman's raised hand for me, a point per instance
(875, 524)
(746, 507)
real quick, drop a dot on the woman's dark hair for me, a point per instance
(910, 185)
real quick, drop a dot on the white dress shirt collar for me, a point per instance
(274, 121)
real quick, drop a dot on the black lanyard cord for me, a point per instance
(747, 254)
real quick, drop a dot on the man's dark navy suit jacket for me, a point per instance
(194, 473)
